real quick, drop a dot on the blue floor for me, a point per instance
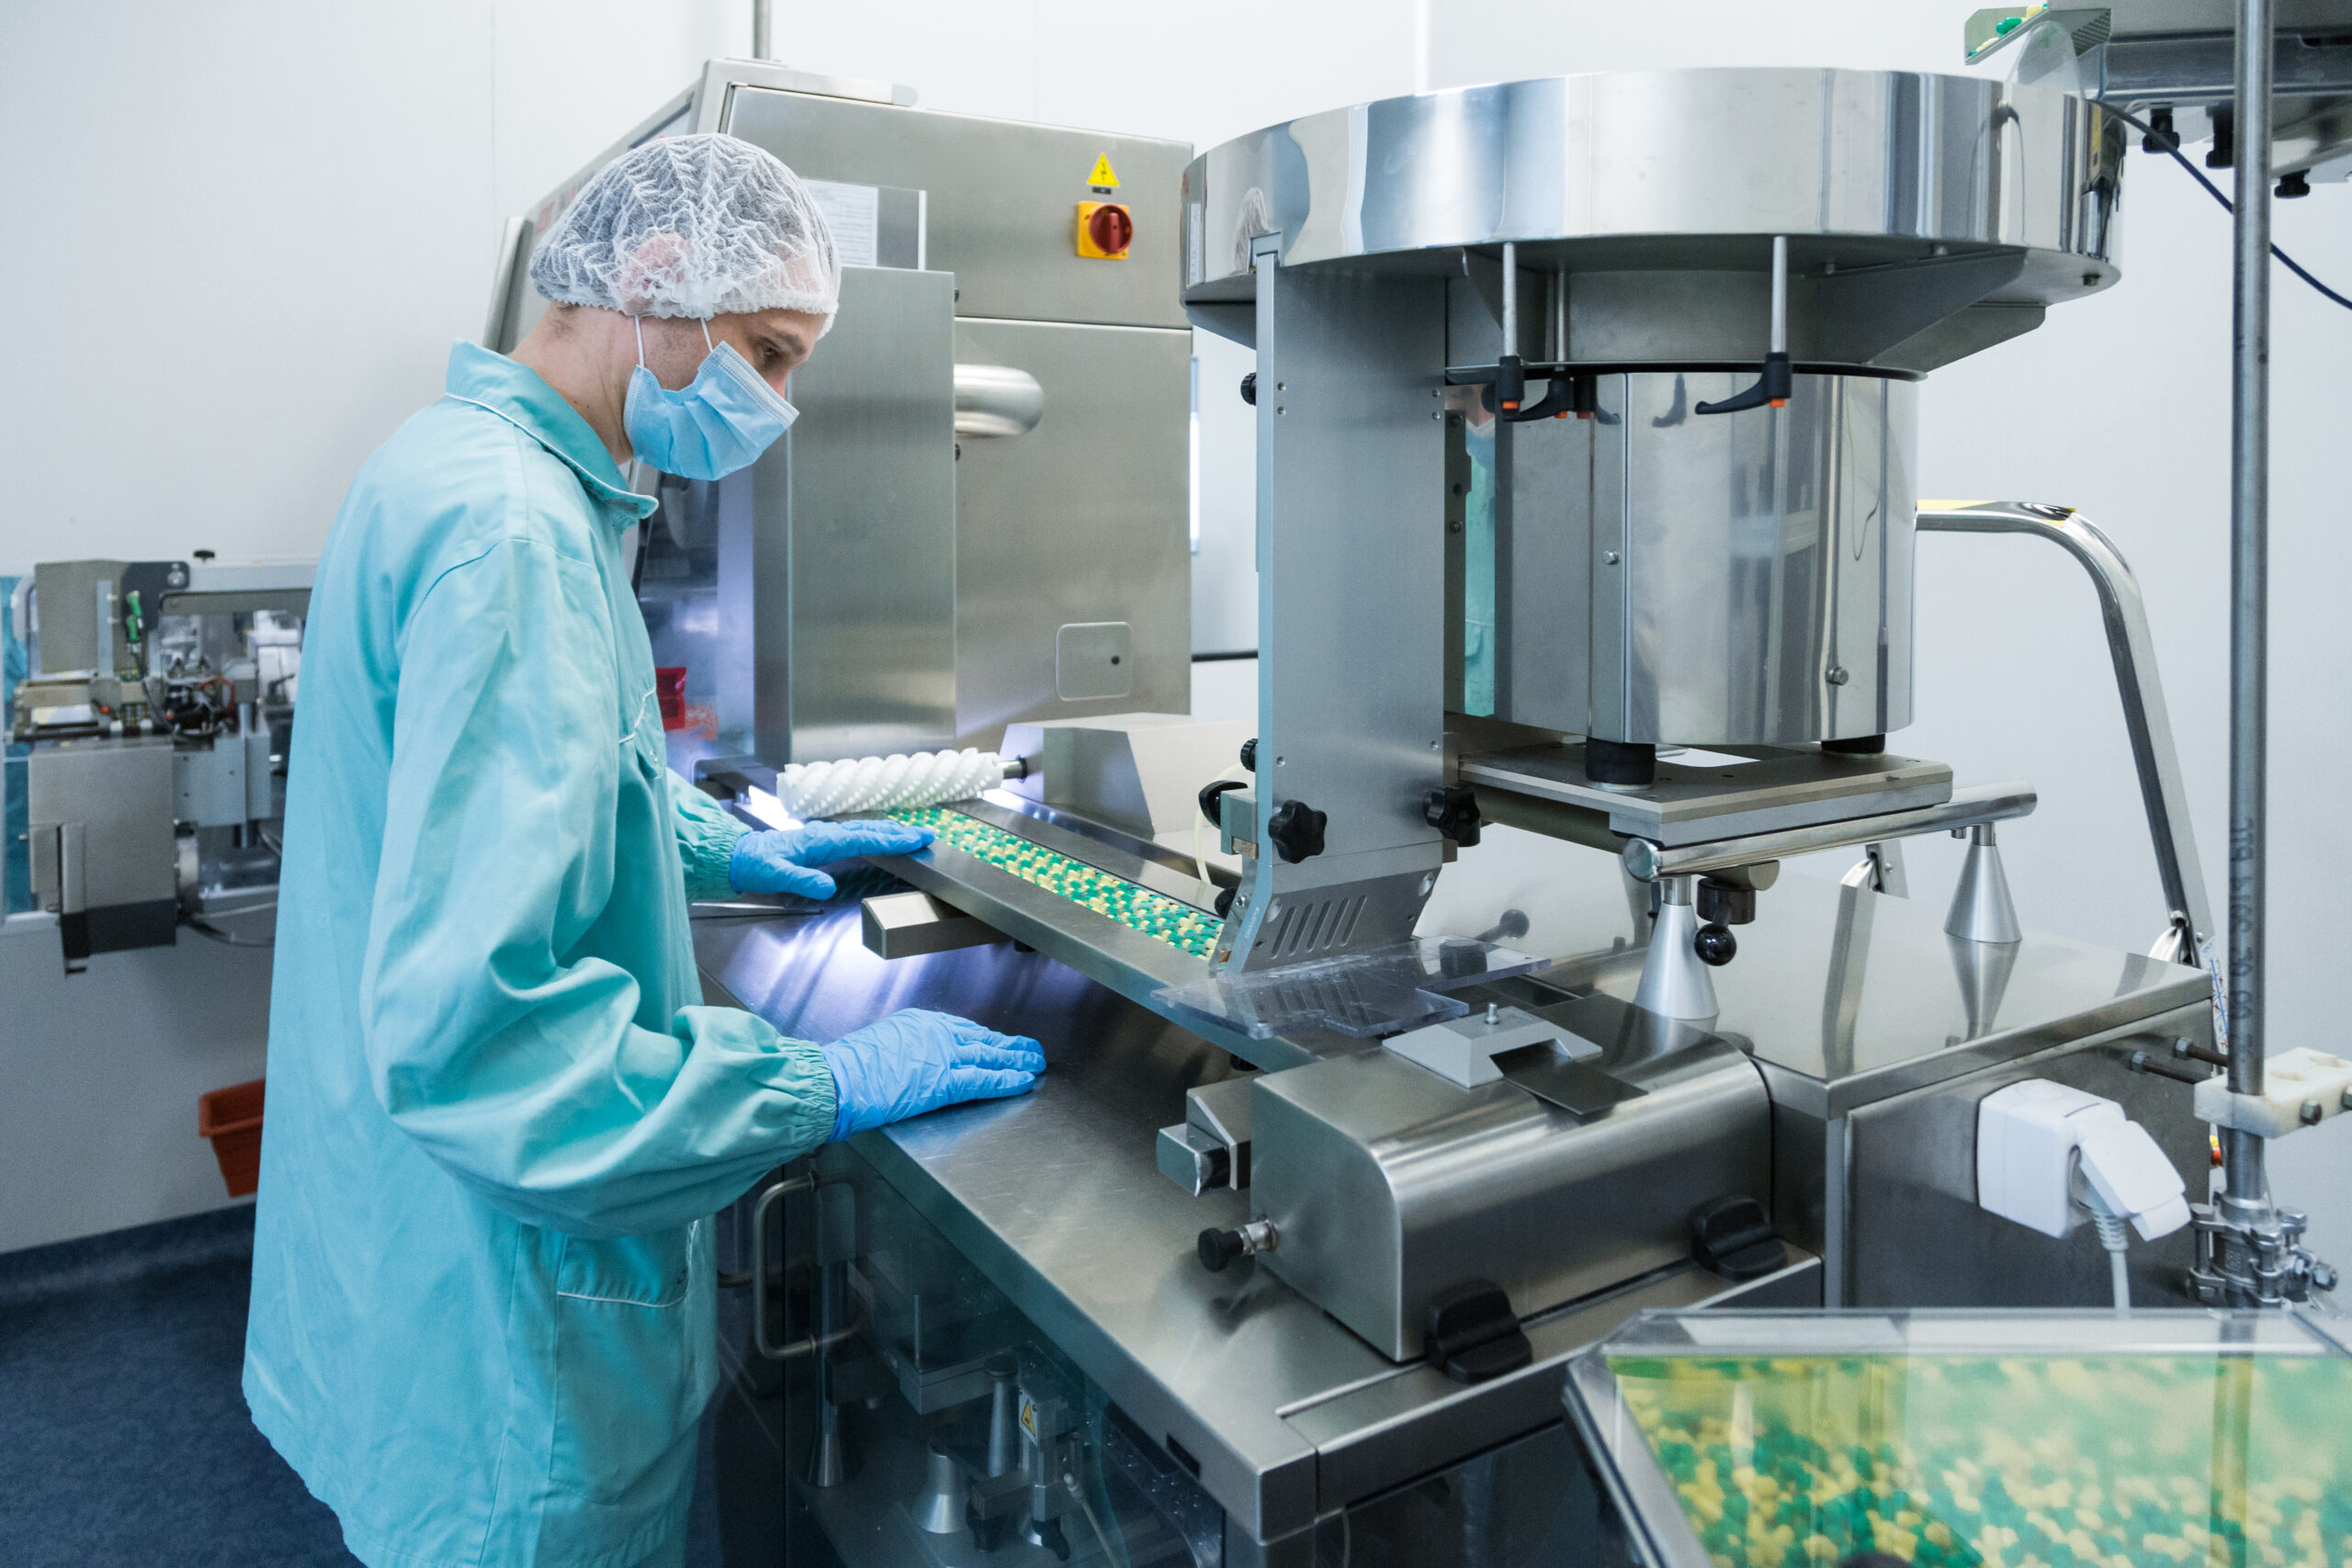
(124, 1438)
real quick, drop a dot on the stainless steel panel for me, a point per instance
(853, 534)
(1351, 577)
(1692, 171)
(116, 796)
(1057, 1200)
(1912, 1205)
(1386, 1183)
(68, 596)
(1546, 491)
(1080, 520)
(1003, 200)
(1755, 588)
(1093, 660)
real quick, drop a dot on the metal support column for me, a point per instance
(2242, 1153)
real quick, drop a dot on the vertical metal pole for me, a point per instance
(1511, 297)
(1780, 294)
(763, 33)
(2249, 587)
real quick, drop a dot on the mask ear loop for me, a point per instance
(708, 348)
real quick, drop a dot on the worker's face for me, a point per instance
(773, 342)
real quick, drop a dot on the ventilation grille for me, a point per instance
(1300, 931)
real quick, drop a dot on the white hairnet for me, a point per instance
(695, 226)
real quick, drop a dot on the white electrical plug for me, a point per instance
(2032, 1138)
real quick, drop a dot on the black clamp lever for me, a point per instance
(1470, 1334)
(1775, 386)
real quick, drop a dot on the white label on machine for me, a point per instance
(852, 213)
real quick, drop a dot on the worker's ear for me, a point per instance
(656, 267)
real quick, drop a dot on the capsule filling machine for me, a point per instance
(1587, 518)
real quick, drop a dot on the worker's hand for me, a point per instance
(916, 1060)
(781, 861)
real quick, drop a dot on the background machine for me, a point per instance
(157, 719)
(1586, 520)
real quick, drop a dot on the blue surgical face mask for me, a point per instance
(719, 421)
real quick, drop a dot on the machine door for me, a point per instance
(1073, 588)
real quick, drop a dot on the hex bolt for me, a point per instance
(2311, 1112)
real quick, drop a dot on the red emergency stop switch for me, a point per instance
(1105, 229)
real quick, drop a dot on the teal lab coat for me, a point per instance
(482, 1325)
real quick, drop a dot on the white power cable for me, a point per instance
(2115, 1234)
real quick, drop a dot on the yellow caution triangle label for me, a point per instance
(1102, 176)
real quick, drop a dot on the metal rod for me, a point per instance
(1511, 297)
(2133, 648)
(2249, 587)
(1780, 294)
(1976, 803)
(762, 29)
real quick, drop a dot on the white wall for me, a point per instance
(241, 238)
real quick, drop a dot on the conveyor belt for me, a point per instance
(1136, 907)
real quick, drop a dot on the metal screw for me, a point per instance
(1281, 386)
(1609, 558)
(1837, 675)
(1279, 409)
(2090, 280)
(2311, 1112)
(1491, 1018)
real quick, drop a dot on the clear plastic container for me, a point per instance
(2005, 1440)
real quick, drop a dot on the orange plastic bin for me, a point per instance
(231, 1117)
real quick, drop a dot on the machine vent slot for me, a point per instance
(1315, 927)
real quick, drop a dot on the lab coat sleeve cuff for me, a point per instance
(802, 1076)
(706, 838)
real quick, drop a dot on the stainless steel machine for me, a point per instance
(158, 718)
(980, 517)
(1587, 518)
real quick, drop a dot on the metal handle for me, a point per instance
(806, 1344)
(996, 400)
(2134, 653)
(768, 1199)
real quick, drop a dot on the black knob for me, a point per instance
(2161, 136)
(1725, 903)
(1224, 902)
(1250, 388)
(1249, 753)
(2292, 186)
(2224, 151)
(1714, 945)
(1211, 807)
(1218, 1249)
(1453, 811)
(1296, 829)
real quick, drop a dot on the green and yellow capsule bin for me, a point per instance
(1975, 1440)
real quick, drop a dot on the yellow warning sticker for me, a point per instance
(1103, 176)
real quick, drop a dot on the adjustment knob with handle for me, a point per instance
(1714, 944)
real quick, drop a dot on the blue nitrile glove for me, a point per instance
(917, 1060)
(772, 861)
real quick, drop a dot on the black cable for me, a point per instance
(202, 927)
(2215, 192)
